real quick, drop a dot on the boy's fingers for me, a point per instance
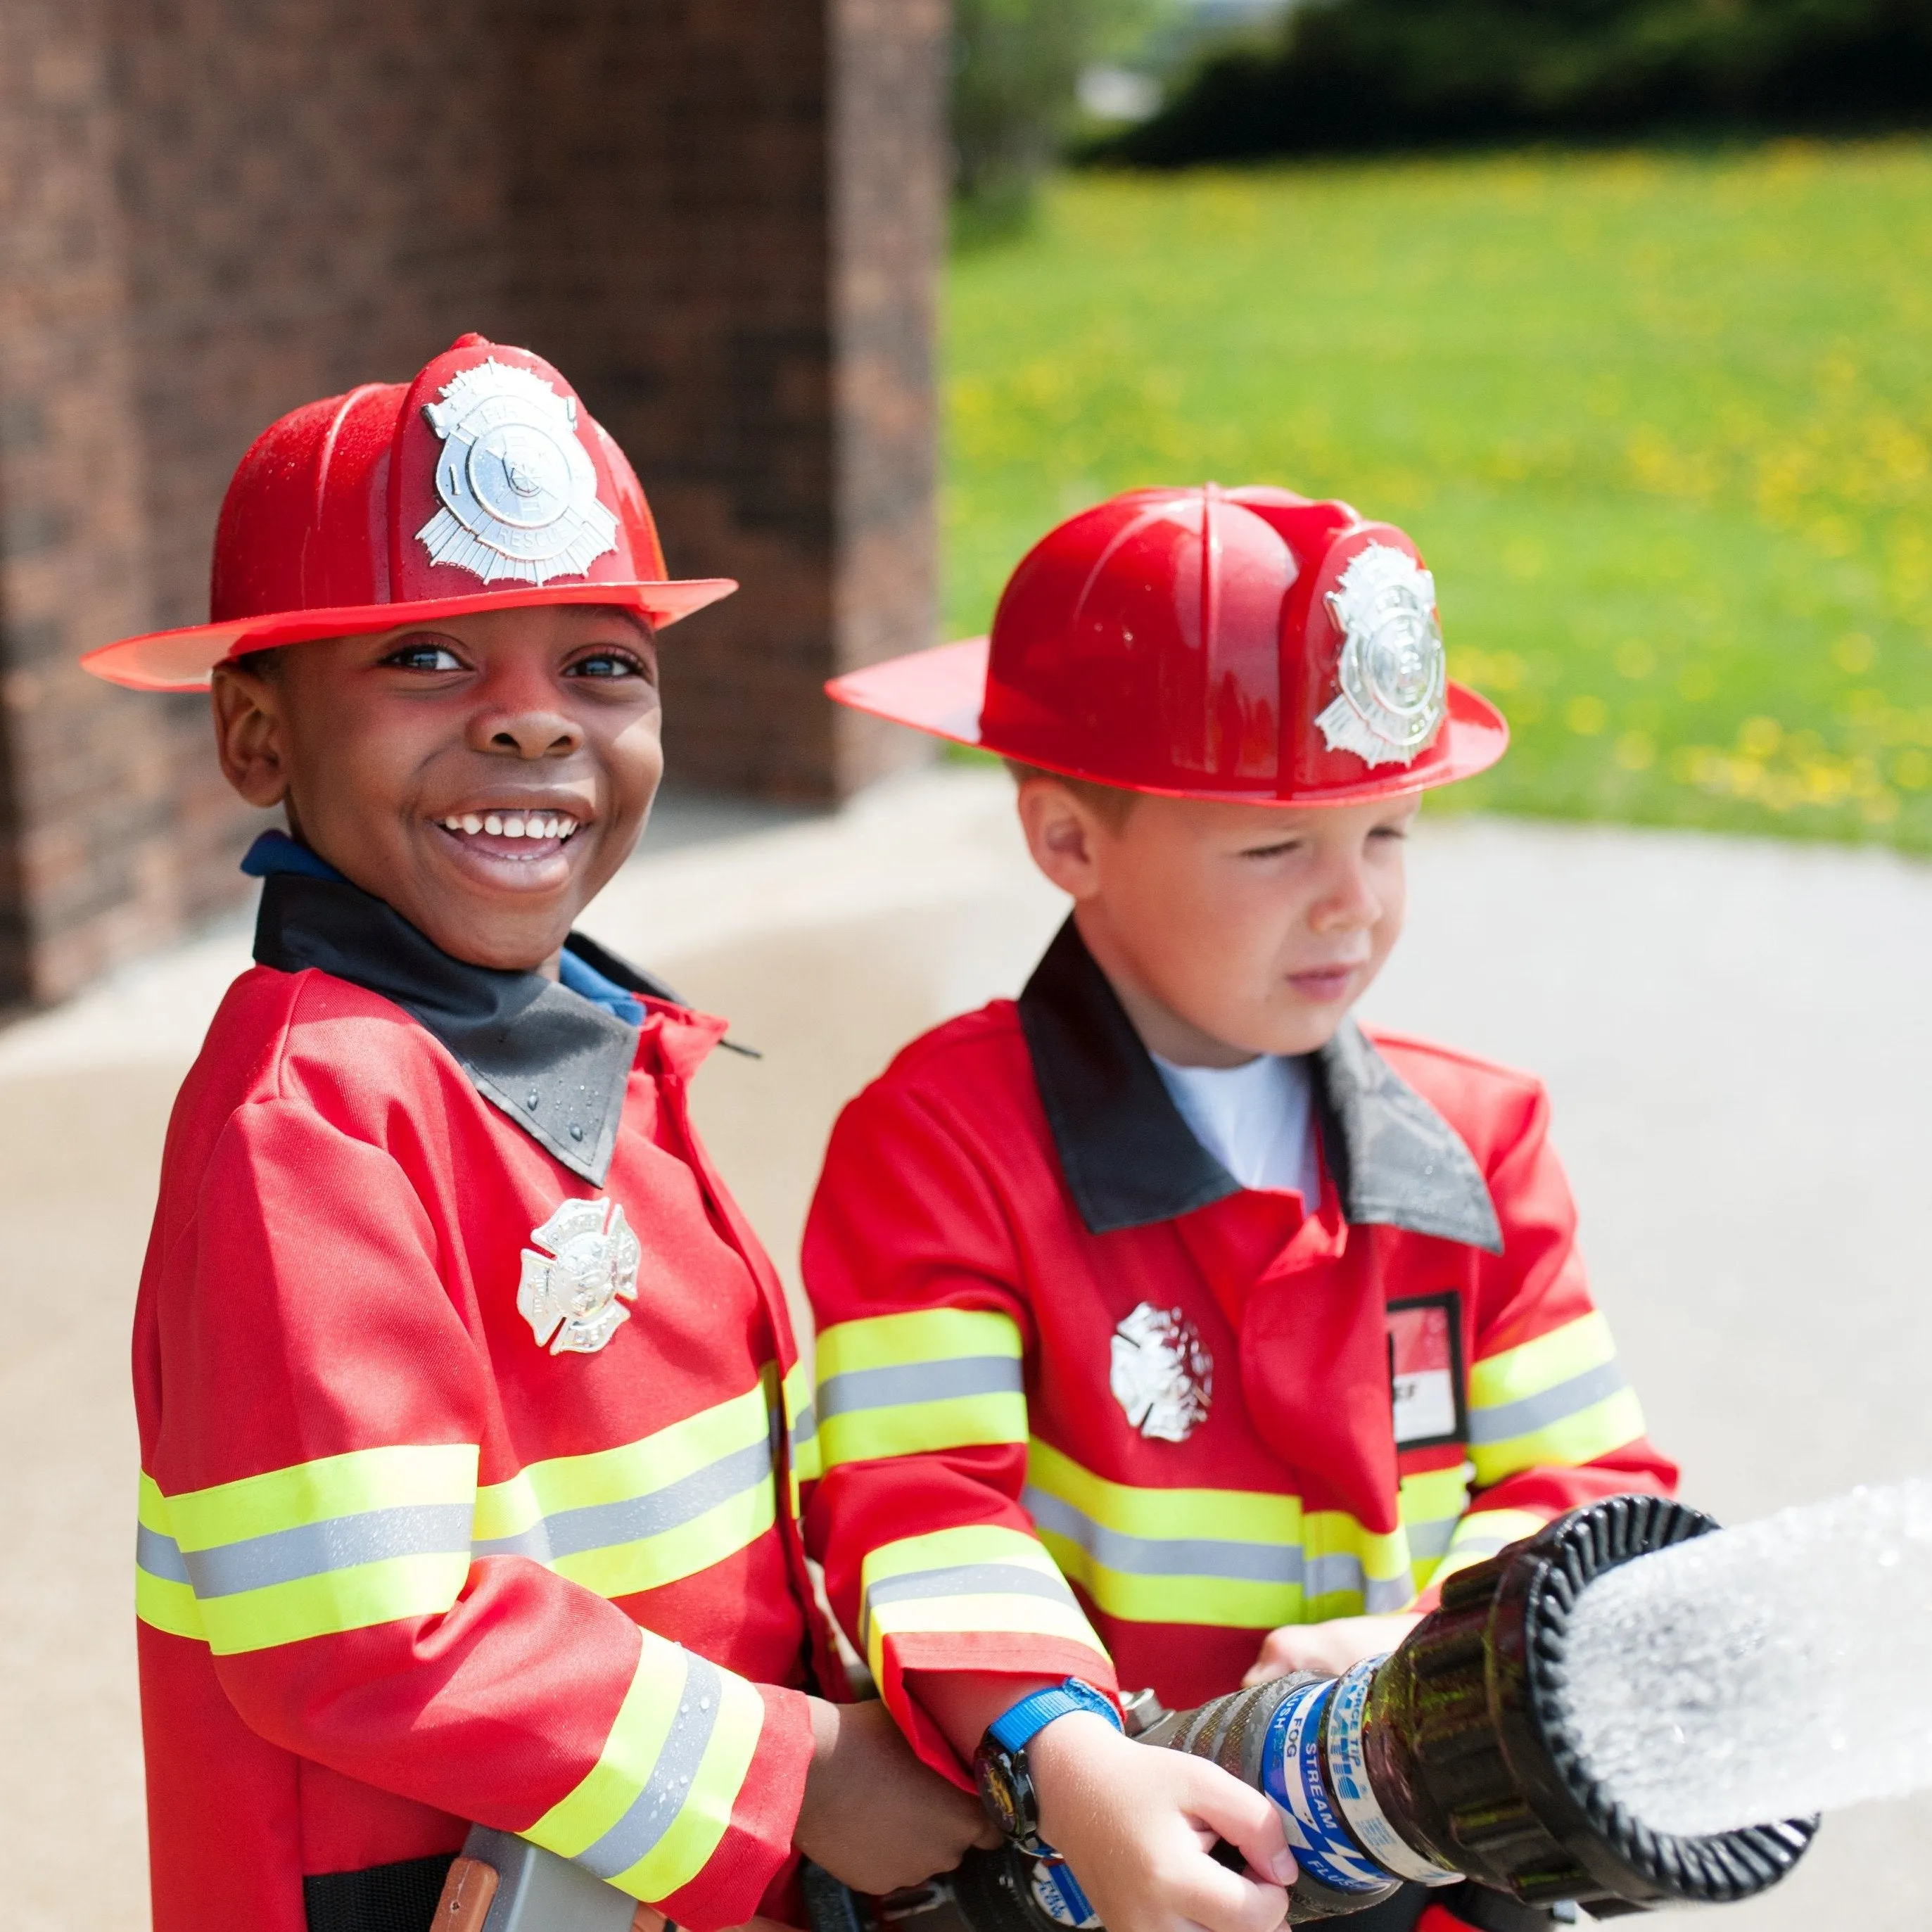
(1248, 1820)
(1224, 1901)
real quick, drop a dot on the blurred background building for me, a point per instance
(724, 223)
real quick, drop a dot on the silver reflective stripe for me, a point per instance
(159, 1555)
(962, 1579)
(806, 1426)
(341, 1543)
(608, 1525)
(1166, 1556)
(919, 1382)
(1512, 1419)
(1387, 1593)
(654, 1808)
(1427, 1539)
(1285, 1564)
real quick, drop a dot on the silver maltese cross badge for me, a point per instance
(1394, 677)
(518, 490)
(576, 1289)
(1161, 1375)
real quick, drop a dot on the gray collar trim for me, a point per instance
(556, 1063)
(1130, 1159)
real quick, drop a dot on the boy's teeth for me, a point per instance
(514, 825)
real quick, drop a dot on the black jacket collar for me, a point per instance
(1129, 1158)
(556, 1063)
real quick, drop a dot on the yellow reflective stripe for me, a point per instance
(1432, 1503)
(1245, 1515)
(920, 1335)
(1541, 1364)
(978, 1578)
(1574, 1439)
(801, 1428)
(334, 1603)
(1482, 1533)
(644, 1513)
(314, 1549)
(622, 1474)
(402, 1476)
(167, 1606)
(1239, 1559)
(650, 1814)
(904, 1384)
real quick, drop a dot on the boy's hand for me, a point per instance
(874, 1817)
(1136, 1823)
(1329, 1648)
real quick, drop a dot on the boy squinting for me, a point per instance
(1176, 1331)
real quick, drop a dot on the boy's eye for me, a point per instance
(1279, 850)
(611, 663)
(1390, 832)
(423, 654)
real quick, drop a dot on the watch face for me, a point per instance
(1007, 1792)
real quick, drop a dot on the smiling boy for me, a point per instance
(470, 1415)
(1175, 1329)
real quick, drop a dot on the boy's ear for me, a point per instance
(1063, 833)
(249, 733)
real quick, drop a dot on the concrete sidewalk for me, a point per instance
(1735, 1036)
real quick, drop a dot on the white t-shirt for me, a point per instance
(1258, 1120)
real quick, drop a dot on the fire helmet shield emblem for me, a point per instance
(575, 1290)
(1160, 1374)
(518, 490)
(1393, 673)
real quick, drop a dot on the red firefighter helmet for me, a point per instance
(480, 485)
(1246, 644)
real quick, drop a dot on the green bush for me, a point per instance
(1360, 76)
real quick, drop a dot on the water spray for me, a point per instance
(1457, 1757)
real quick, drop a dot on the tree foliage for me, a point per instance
(1364, 75)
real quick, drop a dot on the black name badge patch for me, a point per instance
(1426, 1369)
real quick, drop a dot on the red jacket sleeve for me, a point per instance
(931, 1562)
(1553, 1422)
(307, 1506)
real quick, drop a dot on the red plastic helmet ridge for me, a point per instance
(1248, 644)
(482, 484)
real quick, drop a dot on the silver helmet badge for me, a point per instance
(518, 490)
(1393, 676)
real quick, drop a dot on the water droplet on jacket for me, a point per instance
(531, 1103)
(576, 1132)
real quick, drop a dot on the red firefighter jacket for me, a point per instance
(463, 1389)
(1060, 1346)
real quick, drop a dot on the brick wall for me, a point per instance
(721, 222)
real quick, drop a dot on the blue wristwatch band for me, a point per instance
(1013, 1729)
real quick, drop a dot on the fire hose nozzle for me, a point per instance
(1451, 1761)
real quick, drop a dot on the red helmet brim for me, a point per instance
(182, 660)
(942, 691)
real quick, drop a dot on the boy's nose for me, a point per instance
(1348, 901)
(523, 725)
(541, 736)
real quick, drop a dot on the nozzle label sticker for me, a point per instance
(1393, 674)
(1057, 1894)
(518, 490)
(1293, 1776)
(1348, 1773)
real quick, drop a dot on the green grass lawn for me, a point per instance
(1661, 424)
